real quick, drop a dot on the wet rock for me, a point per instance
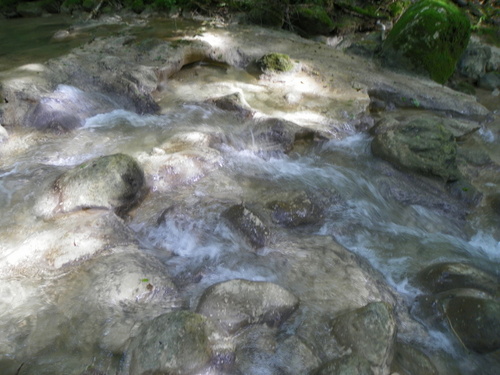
(66, 241)
(295, 357)
(248, 224)
(475, 321)
(234, 103)
(128, 285)
(4, 135)
(173, 343)
(465, 192)
(410, 360)
(474, 60)
(348, 365)
(417, 94)
(110, 182)
(422, 146)
(261, 350)
(312, 20)
(441, 277)
(67, 108)
(275, 63)
(429, 37)
(299, 210)
(274, 134)
(490, 81)
(238, 303)
(369, 332)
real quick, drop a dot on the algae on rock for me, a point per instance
(429, 37)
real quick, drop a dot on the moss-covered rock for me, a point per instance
(422, 145)
(312, 20)
(429, 37)
(275, 62)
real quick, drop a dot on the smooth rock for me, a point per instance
(410, 360)
(174, 343)
(110, 182)
(422, 145)
(238, 303)
(441, 277)
(475, 321)
(248, 224)
(370, 332)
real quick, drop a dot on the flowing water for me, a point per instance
(360, 194)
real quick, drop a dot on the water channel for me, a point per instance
(355, 189)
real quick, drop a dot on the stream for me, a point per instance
(398, 222)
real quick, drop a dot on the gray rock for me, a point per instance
(348, 365)
(441, 277)
(248, 224)
(235, 103)
(173, 343)
(473, 62)
(422, 146)
(490, 81)
(237, 303)
(108, 182)
(410, 360)
(370, 333)
(475, 321)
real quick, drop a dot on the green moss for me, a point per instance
(312, 20)
(431, 36)
(275, 62)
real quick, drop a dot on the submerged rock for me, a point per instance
(110, 182)
(441, 277)
(173, 343)
(430, 37)
(300, 210)
(67, 108)
(370, 332)
(237, 303)
(422, 145)
(410, 360)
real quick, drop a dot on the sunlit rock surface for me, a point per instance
(235, 304)
(110, 182)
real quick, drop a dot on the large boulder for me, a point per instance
(421, 145)
(173, 343)
(237, 303)
(110, 182)
(429, 37)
